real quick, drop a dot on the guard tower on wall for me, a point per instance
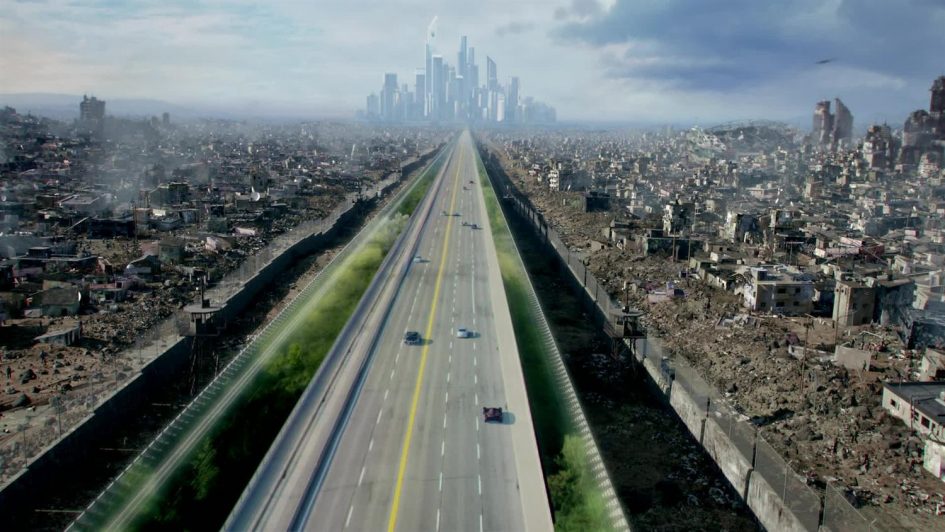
(203, 327)
(200, 321)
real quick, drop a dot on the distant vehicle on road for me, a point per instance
(492, 414)
(412, 338)
(417, 258)
(463, 332)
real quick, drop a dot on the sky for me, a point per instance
(635, 61)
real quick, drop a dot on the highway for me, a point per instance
(413, 452)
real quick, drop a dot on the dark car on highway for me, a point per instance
(412, 338)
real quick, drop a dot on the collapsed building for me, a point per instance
(832, 130)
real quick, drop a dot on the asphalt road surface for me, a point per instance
(416, 454)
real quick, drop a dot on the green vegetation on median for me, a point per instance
(574, 493)
(578, 500)
(203, 490)
(207, 482)
(416, 193)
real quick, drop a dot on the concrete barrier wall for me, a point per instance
(769, 507)
(693, 415)
(652, 368)
(735, 467)
(77, 444)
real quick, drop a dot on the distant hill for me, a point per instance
(66, 106)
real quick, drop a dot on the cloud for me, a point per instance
(580, 9)
(593, 59)
(514, 28)
(742, 43)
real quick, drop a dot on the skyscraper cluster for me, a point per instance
(443, 92)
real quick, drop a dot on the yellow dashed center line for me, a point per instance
(405, 452)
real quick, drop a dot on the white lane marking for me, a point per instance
(437, 518)
(443, 448)
(475, 379)
(477, 423)
(348, 519)
(479, 480)
(444, 421)
(447, 377)
(441, 481)
(480, 522)
(392, 373)
(451, 344)
(478, 455)
(379, 412)
(472, 290)
(370, 445)
(387, 391)
(361, 476)
(447, 399)
(474, 358)
(477, 398)
(450, 358)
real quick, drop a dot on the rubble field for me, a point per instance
(655, 466)
(826, 420)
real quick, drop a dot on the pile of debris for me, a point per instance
(825, 419)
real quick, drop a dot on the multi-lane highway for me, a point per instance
(414, 452)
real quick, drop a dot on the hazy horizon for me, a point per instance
(616, 62)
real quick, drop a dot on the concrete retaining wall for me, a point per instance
(736, 468)
(765, 501)
(659, 379)
(693, 415)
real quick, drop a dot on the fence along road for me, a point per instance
(414, 453)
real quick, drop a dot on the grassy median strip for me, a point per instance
(205, 488)
(213, 472)
(578, 503)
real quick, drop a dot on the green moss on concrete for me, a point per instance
(576, 497)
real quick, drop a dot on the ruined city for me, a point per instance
(586, 266)
(798, 273)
